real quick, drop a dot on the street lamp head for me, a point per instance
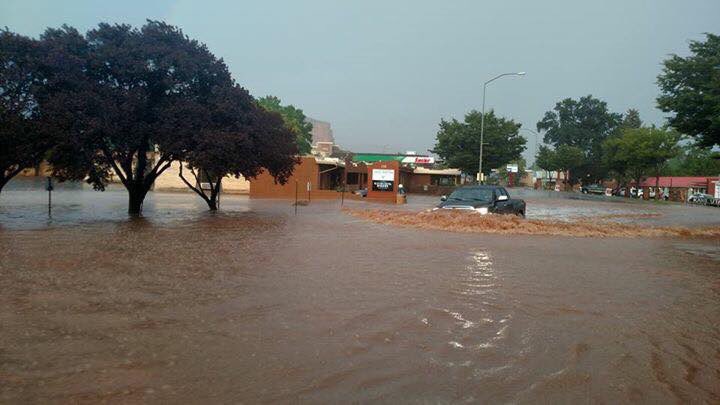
(520, 73)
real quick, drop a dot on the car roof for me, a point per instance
(481, 186)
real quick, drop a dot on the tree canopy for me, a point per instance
(640, 152)
(458, 143)
(545, 158)
(128, 102)
(690, 90)
(693, 160)
(294, 118)
(585, 124)
(22, 145)
(565, 158)
(237, 137)
(631, 119)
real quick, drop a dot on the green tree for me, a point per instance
(641, 152)
(545, 158)
(585, 124)
(458, 143)
(22, 142)
(294, 118)
(694, 161)
(616, 160)
(631, 119)
(233, 136)
(116, 97)
(569, 159)
(690, 89)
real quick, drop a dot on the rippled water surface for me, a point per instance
(255, 304)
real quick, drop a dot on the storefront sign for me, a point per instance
(383, 174)
(419, 160)
(382, 185)
(383, 179)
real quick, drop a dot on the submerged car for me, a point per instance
(484, 200)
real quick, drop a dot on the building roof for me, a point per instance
(444, 172)
(329, 161)
(377, 157)
(677, 181)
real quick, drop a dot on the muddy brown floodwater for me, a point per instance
(256, 305)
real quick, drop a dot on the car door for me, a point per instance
(502, 207)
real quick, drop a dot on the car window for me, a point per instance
(472, 194)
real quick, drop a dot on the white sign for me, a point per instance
(512, 168)
(717, 189)
(383, 174)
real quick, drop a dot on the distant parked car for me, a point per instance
(593, 189)
(699, 198)
(361, 192)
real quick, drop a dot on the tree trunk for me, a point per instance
(212, 203)
(657, 186)
(567, 181)
(136, 195)
(214, 200)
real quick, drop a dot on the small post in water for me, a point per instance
(296, 195)
(49, 189)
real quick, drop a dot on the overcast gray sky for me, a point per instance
(385, 72)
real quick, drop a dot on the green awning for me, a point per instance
(376, 157)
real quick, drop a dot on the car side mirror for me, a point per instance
(443, 198)
(502, 198)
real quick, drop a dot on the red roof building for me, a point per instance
(675, 181)
(680, 188)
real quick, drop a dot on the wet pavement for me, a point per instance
(254, 304)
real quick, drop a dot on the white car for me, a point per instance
(699, 198)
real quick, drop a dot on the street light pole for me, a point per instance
(536, 140)
(482, 119)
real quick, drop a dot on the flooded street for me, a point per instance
(254, 304)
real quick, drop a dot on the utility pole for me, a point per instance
(480, 177)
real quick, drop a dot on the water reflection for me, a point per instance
(23, 205)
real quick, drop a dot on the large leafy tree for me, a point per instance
(569, 159)
(110, 95)
(694, 161)
(22, 142)
(690, 90)
(617, 161)
(545, 158)
(458, 142)
(640, 152)
(234, 136)
(565, 158)
(294, 118)
(585, 124)
(631, 119)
